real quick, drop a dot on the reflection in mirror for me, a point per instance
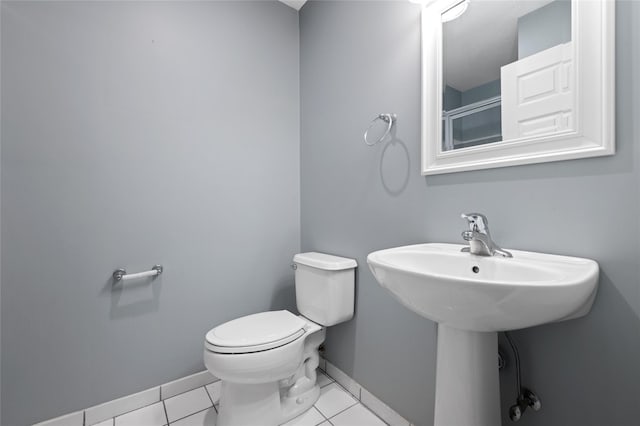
(507, 71)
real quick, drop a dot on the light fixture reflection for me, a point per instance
(455, 12)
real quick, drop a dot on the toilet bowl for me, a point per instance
(270, 380)
(267, 361)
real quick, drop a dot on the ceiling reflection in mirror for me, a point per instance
(507, 71)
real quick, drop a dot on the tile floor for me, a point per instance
(198, 407)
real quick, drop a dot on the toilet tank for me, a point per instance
(325, 287)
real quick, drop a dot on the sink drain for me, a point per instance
(475, 269)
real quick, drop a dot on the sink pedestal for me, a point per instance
(467, 382)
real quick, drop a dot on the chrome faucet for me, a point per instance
(479, 237)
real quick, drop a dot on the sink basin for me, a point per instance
(472, 298)
(482, 293)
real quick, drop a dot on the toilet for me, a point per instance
(267, 361)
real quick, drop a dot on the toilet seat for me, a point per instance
(254, 333)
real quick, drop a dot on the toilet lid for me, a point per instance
(257, 332)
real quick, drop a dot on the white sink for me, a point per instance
(483, 293)
(472, 298)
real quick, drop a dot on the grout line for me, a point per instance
(326, 384)
(324, 419)
(374, 413)
(321, 413)
(209, 395)
(340, 412)
(192, 414)
(331, 379)
(359, 397)
(131, 411)
(203, 386)
(367, 408)
(166, 415)
(347, 390)
(336, 381)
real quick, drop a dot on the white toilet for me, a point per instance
(267, 361)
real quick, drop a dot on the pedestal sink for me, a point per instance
(472, 298)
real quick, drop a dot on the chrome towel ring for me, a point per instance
(390, 119)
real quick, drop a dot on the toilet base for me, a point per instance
(261, 404)
(242, 404)
(294, 406)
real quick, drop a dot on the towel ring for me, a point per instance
(390, 119)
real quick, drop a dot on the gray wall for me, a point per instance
(454, 98)
(0, 222)
(480, 93)
(362, 58)
(544, 28)
(136, 133)
(451, 98)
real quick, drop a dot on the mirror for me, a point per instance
(508, 82)
(484, 51)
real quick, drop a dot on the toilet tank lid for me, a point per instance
(324, 261)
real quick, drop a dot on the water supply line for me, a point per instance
(525, 398)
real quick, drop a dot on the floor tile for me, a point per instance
(203, 418)
(152, 415)
(311, 417)
(325, 423)
(334, 399)
(214, 391)
(323, 379)
(187, 403)
(358, 415)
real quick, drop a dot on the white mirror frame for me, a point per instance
(592, 134)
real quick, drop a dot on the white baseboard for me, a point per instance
(185, 384)
(110, 409)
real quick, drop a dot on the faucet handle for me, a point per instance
(467, 235)
(477, 221)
